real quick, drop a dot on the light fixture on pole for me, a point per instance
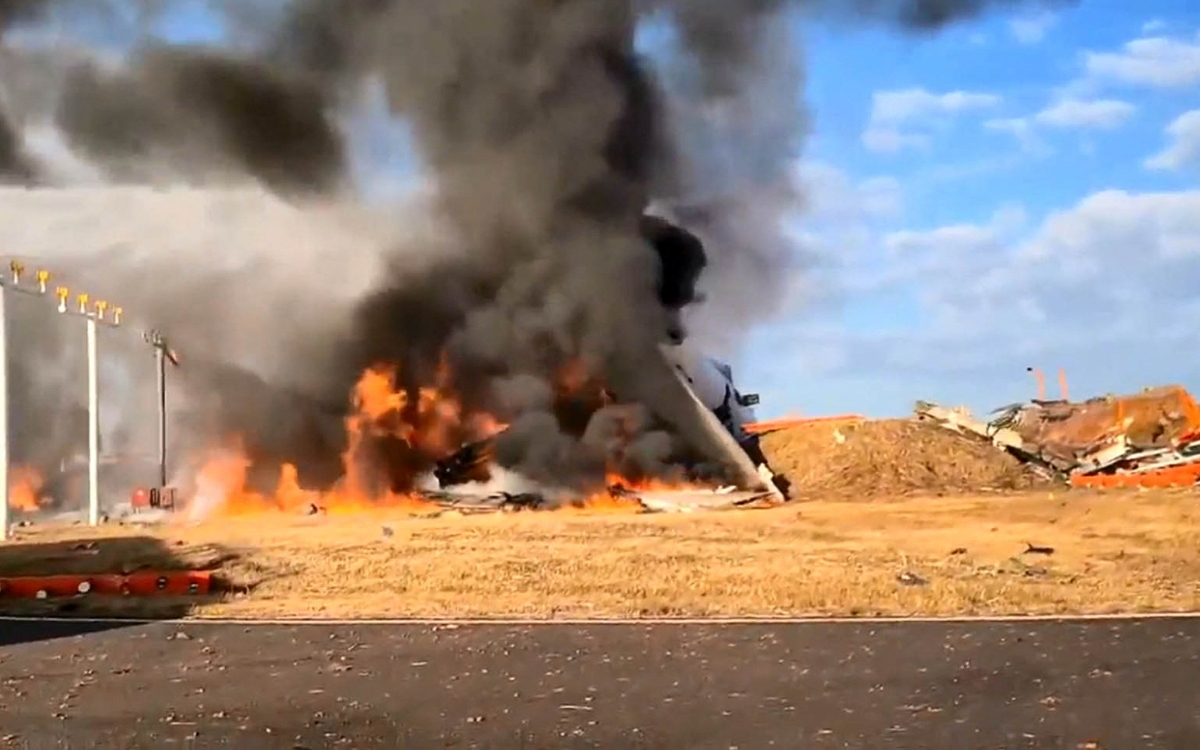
(97, 313)
(10, 283)
(93, 313)
(4, 430)
(163, 353)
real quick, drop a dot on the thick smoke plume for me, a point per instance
(543, 138)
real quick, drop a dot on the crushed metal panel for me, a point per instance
(1153, 417)
(690, 501)
(491, 502)
(1105, 455)
(1003, 438)
(1170, 461)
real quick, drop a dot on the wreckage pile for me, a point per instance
(858, 459)
(1149, 439)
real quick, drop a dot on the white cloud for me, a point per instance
(1103, 114)
(1032, 29)
(1142, 249)
(1184, 147)
(882, 197)
(905, 118)
(1154, 26)
(1104, 288)
(916, 103)
(1158, 61)
(1023, 130)
(890, 140)
(1116, 228)
(1066, 114)
(834, 197)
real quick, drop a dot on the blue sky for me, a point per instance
(1009, 193)
(1020, 190)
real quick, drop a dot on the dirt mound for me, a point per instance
(889, 457)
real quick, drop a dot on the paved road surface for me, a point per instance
(1118, 684)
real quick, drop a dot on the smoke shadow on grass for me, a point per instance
(121, 555)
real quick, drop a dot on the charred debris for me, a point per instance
(1147, 439)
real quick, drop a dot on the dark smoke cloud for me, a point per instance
(544, 136)
(13, 11)
(13, 164)
(200, 110)
(14, 167)
(548, 137)
(931, 15)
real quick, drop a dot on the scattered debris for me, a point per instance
(909, 578)
(523, 501)
(692, 500)
(468, 464)
(1032, 549)
(1149, 439)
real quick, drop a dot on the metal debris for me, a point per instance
(518, 502)
(1149, 439)
(689, 501)
(908, 578)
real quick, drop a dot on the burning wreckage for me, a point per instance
(705, 384)
(1148, 439)
(425, 445)
(401, 445)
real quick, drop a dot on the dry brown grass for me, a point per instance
(1117, 552)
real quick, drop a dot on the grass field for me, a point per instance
(1115, 552)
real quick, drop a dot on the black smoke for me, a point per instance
(14, 167)
(213, 112)
(544, 137)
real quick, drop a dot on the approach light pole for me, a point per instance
(10, 283)
(96, 314)
(3, 410)
(163, 353)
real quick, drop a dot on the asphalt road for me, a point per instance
(1099, 684)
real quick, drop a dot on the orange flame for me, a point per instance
(620, 493)
(415, 428)
(24, 489)
(431, 426)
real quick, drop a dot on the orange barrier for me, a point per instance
(771, 425)
(144, 583)
(1171, 476)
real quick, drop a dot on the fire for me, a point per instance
(620, 493)
(573, 377)
(419, 427)
(24, 489)
(646, 484)
(394, 436)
